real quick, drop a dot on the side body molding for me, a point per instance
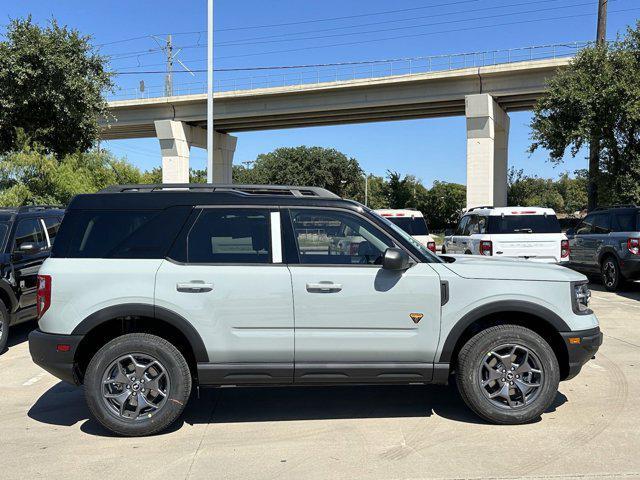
(150, 311)
(496, 307)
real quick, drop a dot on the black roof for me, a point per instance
(160, 196)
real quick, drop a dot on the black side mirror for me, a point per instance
(395, 259)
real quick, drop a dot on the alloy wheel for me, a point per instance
(609, 273)
(511, 376)
(135, 387)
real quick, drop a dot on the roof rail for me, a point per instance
(316, 192)
(607, 207)
(36, 208)
(480, 207)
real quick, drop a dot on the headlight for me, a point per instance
(581, 295)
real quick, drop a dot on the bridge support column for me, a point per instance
(223, 150)
(487, 151)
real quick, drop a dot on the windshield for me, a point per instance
(4, 228)
(524, 224)
(430, 255)
(411, 225)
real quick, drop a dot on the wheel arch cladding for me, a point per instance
(102, 326)
(8, 297)
(530, 315)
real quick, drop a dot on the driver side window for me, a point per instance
(29, 233)
(329, 237)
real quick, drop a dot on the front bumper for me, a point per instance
(581, 345)
(55, 353)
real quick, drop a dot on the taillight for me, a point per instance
(565, 249)
(486, 247)
(633, 244)
(431, 246)
(43, 297)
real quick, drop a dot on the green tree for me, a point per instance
(532, 191)
(51, 86)
(311, 166)
(597, 97)
(403, 192)
(31, 176)
(443, 203)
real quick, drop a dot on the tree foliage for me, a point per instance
(597, 96)
(443, 204)
(51, 85)
(565, 195)
(312, 166)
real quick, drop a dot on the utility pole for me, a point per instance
(210, 129)
(594, 145)
(168, 81)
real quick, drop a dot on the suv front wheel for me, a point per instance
(508, 374)
(137, 384)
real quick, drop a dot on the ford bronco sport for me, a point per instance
(152, 290)
(26, 236)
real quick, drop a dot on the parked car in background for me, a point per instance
(607, 242)
(26, 236)
(411, 221)
(528, 233)
(151, 291)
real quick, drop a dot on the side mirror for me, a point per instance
(448, 232)
(571, 232)
(28, 248)
(395, 259)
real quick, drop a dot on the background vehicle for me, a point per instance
(26, 236)
(528, 233)
(607, 242)
(151, 290)
(412, 222)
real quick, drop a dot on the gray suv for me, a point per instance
(607, 242)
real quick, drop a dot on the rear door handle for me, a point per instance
(323, 287)
(195, 286)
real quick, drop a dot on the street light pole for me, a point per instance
(210, 129)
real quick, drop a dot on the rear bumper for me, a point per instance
(630, 268)
(46, 354)
(582, 350)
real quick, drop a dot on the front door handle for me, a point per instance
(323, 287)
(195, 286)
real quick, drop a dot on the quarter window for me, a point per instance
(625, 222)
(337, 238)
(230, 236)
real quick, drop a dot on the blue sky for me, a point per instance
(432, 149)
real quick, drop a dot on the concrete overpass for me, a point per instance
(484, 95)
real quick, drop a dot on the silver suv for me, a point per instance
(152, 290)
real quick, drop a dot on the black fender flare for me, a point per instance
(151, 311)
(13, 300)
(520, 306)
(607, 250)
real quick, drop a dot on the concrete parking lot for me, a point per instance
(592, 430)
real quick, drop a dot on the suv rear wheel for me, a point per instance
(508, 374)
(4, 326)
(610, 274)
(137, 384)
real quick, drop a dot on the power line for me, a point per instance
(331, 19)
(142, 37)
(414, 26)
(419, 34)
(382, 22)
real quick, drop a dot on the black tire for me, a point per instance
(469, 375)
(4, 327)
(610, 274)
(174, 366)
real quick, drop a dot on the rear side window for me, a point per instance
(626, 222)
(119, 233)
(53, 225)
(230, 236)
(602, 223)
(523, 224)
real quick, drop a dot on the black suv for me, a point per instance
(607, 242)
(26, 236)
